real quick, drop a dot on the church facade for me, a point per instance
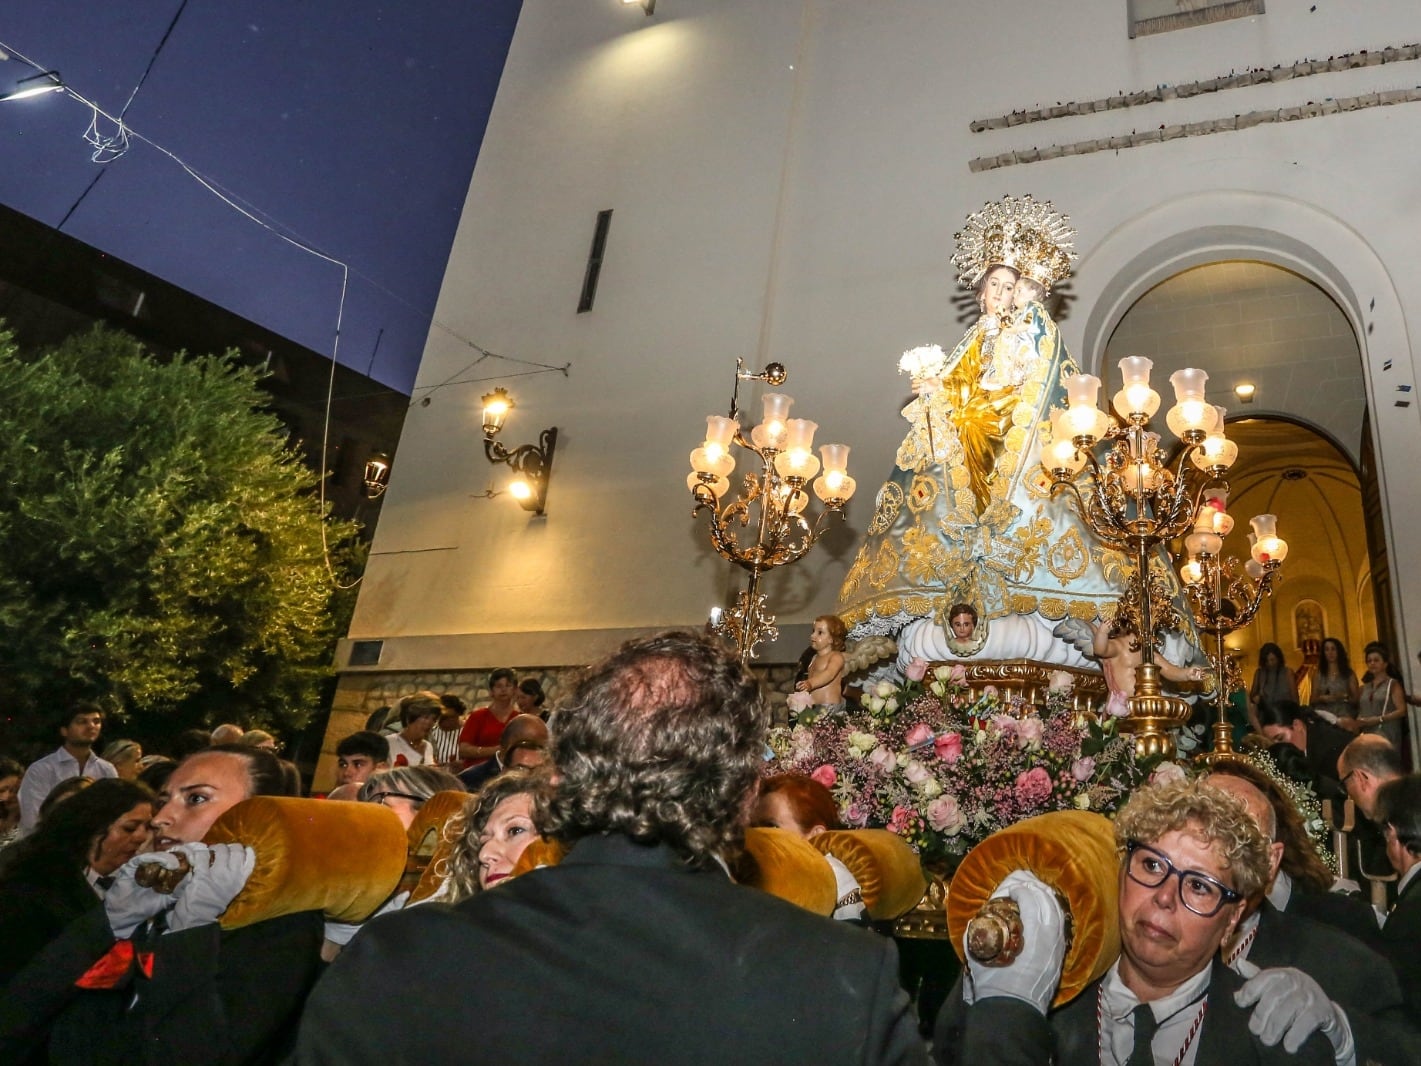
(784, 181)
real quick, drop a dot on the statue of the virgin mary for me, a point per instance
(968, 557)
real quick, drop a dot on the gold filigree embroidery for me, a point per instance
(1068, 558)
(1085, 610)
(856, 573)
(922, 494)
(884, 566)
(890, 502)
(1053, 608)
(926, 555)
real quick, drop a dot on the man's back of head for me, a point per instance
(1399, 812)
(227, 733)
(662, 742)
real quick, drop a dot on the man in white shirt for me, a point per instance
(80, 728)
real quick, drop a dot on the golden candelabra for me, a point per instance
(774, 492)
(1133, 502)
(1222, 599)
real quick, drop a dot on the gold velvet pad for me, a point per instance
(427, 844)
(888, 871)
(312, 855)
(788, 866)
(1074, 852)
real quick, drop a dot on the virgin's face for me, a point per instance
(997, 290)
(125, 838)
(962, 625)
(506, 835)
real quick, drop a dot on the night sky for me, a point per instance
(350, 125)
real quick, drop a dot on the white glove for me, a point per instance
(204, 894)
(343, 932)
(1034, 974)
(127, 903)
(1292, 1006)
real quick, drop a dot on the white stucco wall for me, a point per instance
(786, 178)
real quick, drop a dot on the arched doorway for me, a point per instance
(1301, 437)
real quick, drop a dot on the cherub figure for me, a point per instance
(825, 684)
(1117, 647)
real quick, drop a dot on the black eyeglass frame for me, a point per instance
(380, 797)
(1227, 895)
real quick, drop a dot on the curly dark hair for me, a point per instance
(1301, 861)
(64, 839)
(661, 741)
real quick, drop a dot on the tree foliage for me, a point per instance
(160, 543)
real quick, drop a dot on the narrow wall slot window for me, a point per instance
(594, 261)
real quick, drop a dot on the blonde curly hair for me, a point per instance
(1203, 811)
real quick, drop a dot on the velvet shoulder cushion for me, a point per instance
(1072, 851)
(429, 843)
(344, 859)
(786, 865)
(541, 852)
(888, 871)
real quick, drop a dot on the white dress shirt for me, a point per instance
(1175, 1014)
(44, 774)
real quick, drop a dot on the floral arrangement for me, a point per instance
(945, 768)
(926, 361)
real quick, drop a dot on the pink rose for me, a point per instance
(855, 815)
(900, 819)
(959, 674)
(1004, 724)
(949, 747)
(882, 757)
(825, 774)
(1117, 706)
(991, 691)
(1028, 732)
(916, 772)
(1167, 773)
(945, 815)
(916, 670)
(798, 701)
(1061, 681)
(1083, 768)
(921, 733)
(1033, 786)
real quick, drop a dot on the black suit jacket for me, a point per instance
(214, 997)
(1352, 975)
(1008, 1032)
(1348, 914)
(1401, 942)
(621, 955)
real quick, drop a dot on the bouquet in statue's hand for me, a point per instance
(926, 365)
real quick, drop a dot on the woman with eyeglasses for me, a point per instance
(406, 788)
(1191, 856)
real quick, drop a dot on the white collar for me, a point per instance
(1281, 891)
(1119, 1002)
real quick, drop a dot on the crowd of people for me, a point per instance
(625, 938)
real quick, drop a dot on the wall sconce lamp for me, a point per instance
(647, 5)
(377, 475)
(47, 82)
(1244, 392)
(532, 464)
